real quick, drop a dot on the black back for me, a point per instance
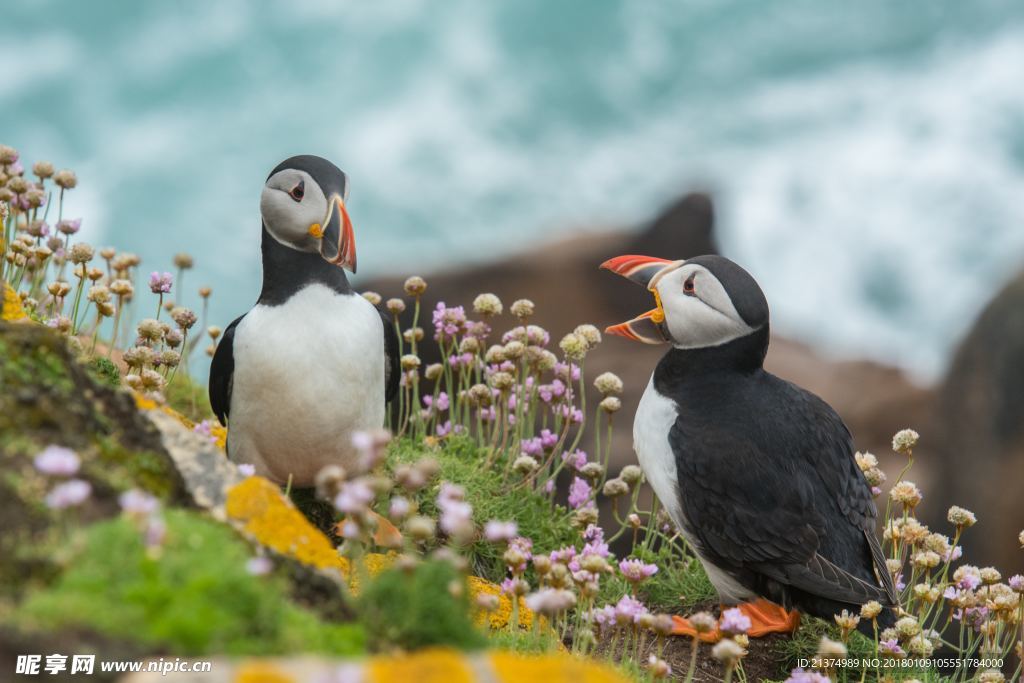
(770, 490)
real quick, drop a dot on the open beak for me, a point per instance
(648, 328)
(338, 243)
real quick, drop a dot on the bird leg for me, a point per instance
(765, 617)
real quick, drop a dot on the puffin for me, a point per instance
(312, 363)
(757, 473)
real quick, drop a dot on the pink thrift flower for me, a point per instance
(628, 610)
(160, 283)
(138, 503)
(579, 493)
(734, 621)
(156, 532)
(69, 226)
(354, 497)
(575, 460)
(259, 566)
(57, 461)
(800, 676)
(636, 571)
(69, 494)
(496, 531)
(448, 322)
(563, 555)
(205, 429)
(970, 581)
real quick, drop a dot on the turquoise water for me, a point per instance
(868, 157)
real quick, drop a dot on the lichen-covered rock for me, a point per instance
(10, 305)
(427, 666)
(207, 473)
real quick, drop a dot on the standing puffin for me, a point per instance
(312, 362)
(757, 473)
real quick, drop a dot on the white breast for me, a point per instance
(654, 419)
(308, 373)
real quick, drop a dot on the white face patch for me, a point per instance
(698, 311)
(287, 220)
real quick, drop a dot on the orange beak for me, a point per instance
(648, 328)
(338, 245)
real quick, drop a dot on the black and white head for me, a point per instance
(701, 302)
(303, 208)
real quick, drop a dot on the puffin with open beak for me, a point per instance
(758, 474)
(313, 362)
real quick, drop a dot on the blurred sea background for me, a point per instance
(866, 159)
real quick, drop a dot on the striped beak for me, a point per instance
(338, 242)
(648, 328)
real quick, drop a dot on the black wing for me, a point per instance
(830, 456)
(222, 371)
(392, 361)
(757, 506)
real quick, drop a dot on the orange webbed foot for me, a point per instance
(682, 627)
(385, 534)
(765, 618)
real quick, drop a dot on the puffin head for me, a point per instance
(303, 208)
(701, 302)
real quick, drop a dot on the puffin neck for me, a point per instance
(741, 356)
(286, 271)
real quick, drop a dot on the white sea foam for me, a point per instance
(868, 160)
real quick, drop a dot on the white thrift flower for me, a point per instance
(904, 440)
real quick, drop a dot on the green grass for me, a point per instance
(104, 371)
(804, 645)
(425, 606)
(462, 463)
(678, 587)
(188, 397)
(194, 598)
(523, 641)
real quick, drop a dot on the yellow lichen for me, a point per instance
(514, 668)
(143, 402)
(263, 512)
(443, 665)
(426, 666)
(262, 672)
(219, 433)
(11, 309)
(502, 615)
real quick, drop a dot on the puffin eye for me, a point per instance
(688, 288)
(299, 191)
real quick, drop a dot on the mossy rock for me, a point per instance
(49, 397)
